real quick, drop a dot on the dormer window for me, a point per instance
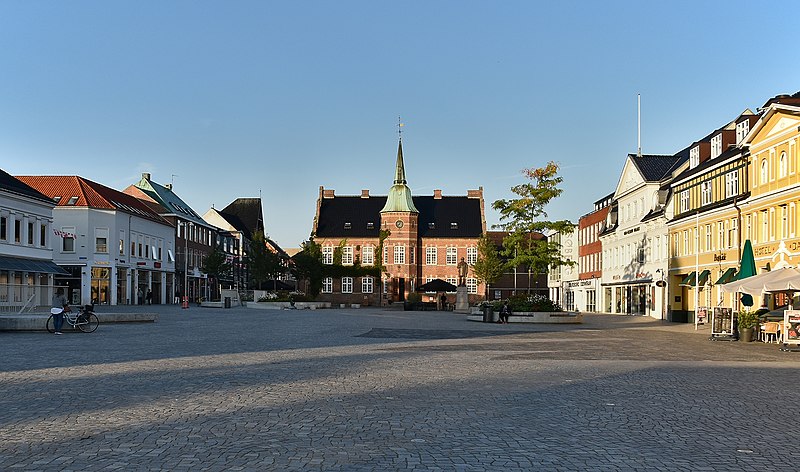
(716, 146)
(431, 225)
(694, 157)
(57, 199)
(348, 225)
(370, 225)
(742, 128)
(454, 225)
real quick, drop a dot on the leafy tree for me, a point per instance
(526, 215)
(307, 265)
(263, 263)
(488, 267)
(216, 265)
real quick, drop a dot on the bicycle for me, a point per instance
(84, 320)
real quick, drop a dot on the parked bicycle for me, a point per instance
(84, 320)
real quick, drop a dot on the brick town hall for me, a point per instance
(428, 236)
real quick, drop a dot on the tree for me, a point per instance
(263, 263)
(307, 265)
(488, 267)
(216, 265)
(524, 216)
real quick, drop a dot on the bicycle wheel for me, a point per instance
(89, 323)
(51, 328)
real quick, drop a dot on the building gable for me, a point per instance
(630, 178)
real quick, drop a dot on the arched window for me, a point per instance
(782, 165)
(764, 171)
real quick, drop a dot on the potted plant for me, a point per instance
(748, 320)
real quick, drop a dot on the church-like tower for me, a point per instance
(401, 218)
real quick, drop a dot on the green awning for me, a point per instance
(18, 264)
(689, 280)
(727, 276)
(704, 277)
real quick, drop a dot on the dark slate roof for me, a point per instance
(655, 167)
(358, 211)
(730, 152)
(245, 215)
(11, 184)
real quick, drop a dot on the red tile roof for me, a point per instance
(89, 194)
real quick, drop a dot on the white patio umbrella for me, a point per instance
(778, 280)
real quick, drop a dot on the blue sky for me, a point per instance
(241, 97)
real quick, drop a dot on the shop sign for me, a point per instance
(791, 327)
(64, 234)
(720, 257)
(631, 231)
(702, 315)
(661, 283)
(579, 283)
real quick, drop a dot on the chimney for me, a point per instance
(146, 175)
(168, 186)
(475, 193)
(328, 193)
(365, 193)
(437, 194)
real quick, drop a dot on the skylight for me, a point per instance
(72, 200)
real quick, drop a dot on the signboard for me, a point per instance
(791, 327)
(702, 315)
(722, 322)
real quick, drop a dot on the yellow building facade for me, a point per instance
(769, 216)
(704, 220)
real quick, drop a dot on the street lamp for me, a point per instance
(186, 227)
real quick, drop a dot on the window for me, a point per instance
(716, 146)
(705, 192)
(133, 248)
(792, 219)
(772, 224)
(452, 256)
(67, 240)
(684, 201)
(733, 233)
(121, 243)
(742, 128)
(347, 285)
(399, 254)
(347, 255)
(348, 225)
(472, 255)
(784, 221)
(30, 234)
(431, 225)
(453, 225)
(101, 245)
(17, 231)
(686, 241)
(640, 254)
(327, 285)
(327, 255)
(370, 225)
(140, 249)
(43, 235)
(430, 255)
(72, 200)
(782, 165)
(709, 239)
(764, 171)
(720, 235)
(366, 284)
(472, 285)
(731, 184)
(764, 227)
(368, 255)
(748, 234)
(694, 157)
(3, 229)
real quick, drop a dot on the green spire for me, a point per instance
(399, 198)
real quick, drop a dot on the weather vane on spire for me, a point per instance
(400, 128)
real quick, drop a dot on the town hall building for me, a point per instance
(425, 237)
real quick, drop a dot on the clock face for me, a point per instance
(399, 223)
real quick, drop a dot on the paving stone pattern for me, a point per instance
(372, 390)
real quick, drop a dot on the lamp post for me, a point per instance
(186, 227)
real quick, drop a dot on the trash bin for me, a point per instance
(487, 314)
(227, 302)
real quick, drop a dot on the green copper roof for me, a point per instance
(399, 198)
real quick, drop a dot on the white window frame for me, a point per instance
(451, 257)
(706, 193)
(731, 184)
(716, 146)
(451, 280)
(694, 157)
(684, 199)
(347, 255)
(368, 255)
(431, 253)
(64, 239)
(327, 256)
(764, 173)
(784, 221)
(472, 255)
(327, 285)
(367, 284)
(347, 285)
(472, 285)
(782, 165)
(399, 254)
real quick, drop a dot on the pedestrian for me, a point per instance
(443, 301)
(505, 312)
(139, 296)
(60, 306)
(149, 297)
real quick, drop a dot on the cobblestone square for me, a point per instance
(366, 389)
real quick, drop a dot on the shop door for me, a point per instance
(401, 289)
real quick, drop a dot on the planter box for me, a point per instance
(287, 305)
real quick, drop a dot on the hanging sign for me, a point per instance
(63, 234)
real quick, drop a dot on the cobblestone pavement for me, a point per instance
(362, 390)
